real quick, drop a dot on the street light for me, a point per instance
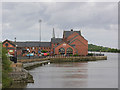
(40, 35)
(15, 58)
(15, 46)
(40, 29)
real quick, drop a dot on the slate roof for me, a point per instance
(33, 44)
(68, 33)
(56, 40)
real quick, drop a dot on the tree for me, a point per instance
(43, 51)
(6, 69)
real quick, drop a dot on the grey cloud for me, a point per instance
(21, 19)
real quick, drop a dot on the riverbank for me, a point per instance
(65, 59)
(33, 63)
(29, 66)
(20, 73)
(77, 59)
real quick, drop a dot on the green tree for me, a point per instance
(92, 47)
(43, 51)
(6, 69)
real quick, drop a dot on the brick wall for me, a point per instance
(11, 48)
(81, 45)
(65, 46)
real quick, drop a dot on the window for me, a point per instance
(6, 44)
(62, 51)
(69, 51)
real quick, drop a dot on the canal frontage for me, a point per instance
(88, 74)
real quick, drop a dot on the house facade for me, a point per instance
(72, 43)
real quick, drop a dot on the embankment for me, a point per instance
(77, 59)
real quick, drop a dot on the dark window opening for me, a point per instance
(69, 51)
(62, 51)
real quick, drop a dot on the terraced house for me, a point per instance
(72, 43)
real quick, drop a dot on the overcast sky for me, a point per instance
(98, 21)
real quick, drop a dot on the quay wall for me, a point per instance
(77, 59)
(19, 74)
(32, 60)
(64, 59)
(29, 66)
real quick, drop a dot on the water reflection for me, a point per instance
(93, 74)
(60, 75)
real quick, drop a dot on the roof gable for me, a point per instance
(10, 42)
(64, 45)
(77, 40)
(68, 33)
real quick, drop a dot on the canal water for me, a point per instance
(92, 74)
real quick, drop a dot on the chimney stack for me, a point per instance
(53, 33)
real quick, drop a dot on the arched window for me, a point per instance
(62, 51)
(69, 51)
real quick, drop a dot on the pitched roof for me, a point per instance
(11, 42)
(33, 44)
(29, 43)
(68, 33)
(56, 40)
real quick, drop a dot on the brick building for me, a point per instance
(71, 43)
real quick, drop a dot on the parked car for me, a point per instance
(44, 54)
(30, 54)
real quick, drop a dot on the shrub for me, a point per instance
(75, 54)
(43, 51)
(90, 54)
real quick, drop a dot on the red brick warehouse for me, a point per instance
(72, 43)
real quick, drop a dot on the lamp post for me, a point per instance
(15, 58)
(40, 35)
(100, 50)
(15, 46)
